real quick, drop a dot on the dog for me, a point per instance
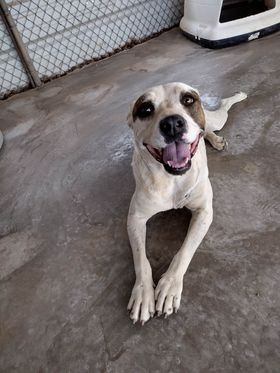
(169, 164)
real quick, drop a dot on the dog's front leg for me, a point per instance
(169, 289)
(142, 300)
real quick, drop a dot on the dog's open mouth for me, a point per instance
(176, 157)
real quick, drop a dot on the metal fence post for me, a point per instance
(19, 45)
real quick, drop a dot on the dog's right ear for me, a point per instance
(129, 117)
(134, 108)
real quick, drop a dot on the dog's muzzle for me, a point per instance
(176, 156)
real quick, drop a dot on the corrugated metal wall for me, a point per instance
(61, 34)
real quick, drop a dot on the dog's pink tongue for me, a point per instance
(176, 154)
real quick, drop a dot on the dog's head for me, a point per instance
(168, 121)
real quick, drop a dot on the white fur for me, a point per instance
(156, 190)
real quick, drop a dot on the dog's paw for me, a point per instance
(218, 142)
(168, 294)
(142, 302)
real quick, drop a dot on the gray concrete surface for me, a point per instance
(66, 182)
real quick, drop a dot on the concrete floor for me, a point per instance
(66, 182)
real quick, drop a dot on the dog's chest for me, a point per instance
(164, 190)
(182, 193)
(173, 192)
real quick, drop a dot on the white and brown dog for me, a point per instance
(170, 170)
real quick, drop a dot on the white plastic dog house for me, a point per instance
(218, 23)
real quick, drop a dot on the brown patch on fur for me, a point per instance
(139, 102)
(195, 110)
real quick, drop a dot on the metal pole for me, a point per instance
(19, 45)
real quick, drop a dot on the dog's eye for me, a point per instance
(145, 110)
(187, 100)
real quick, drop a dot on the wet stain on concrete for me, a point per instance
(92, 96)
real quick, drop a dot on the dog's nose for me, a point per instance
(172, 126)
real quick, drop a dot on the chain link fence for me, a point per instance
(59, 35)
(12, 73)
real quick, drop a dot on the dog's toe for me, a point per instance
(168, 305)
(168, 294)
(142, 303)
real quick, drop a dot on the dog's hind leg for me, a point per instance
(215, 120)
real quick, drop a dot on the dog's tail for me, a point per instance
(228, 102)
(215, 120)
